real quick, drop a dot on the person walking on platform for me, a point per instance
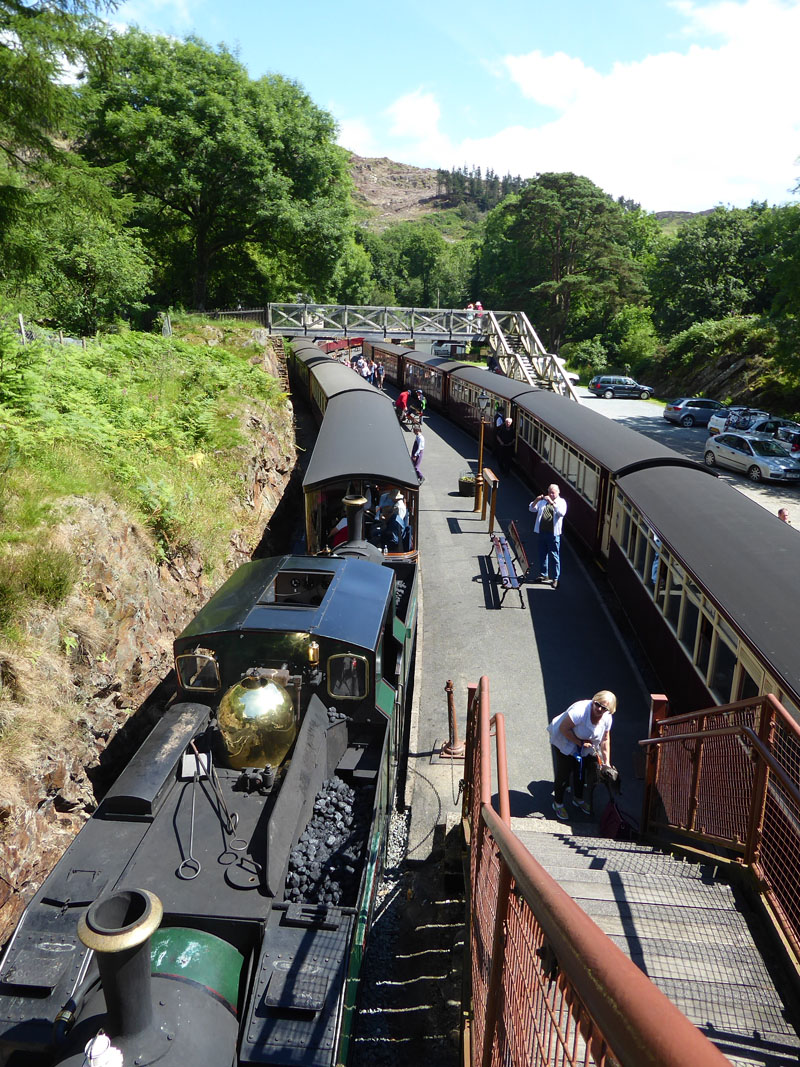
(416, 454)
(504, 439)
(579, 735)
(549, 509)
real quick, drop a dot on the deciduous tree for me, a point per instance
(215, 160)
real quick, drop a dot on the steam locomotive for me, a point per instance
(215, 908)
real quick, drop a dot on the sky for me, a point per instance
(674, 104)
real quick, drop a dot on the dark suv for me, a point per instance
(608, 385)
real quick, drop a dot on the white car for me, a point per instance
(741, 419)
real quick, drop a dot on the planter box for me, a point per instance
(466, 486)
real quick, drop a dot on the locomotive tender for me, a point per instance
(708, 578)
(214, 909)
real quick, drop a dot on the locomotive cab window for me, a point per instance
(348, 677)
(198, 670)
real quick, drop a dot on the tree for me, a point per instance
(216, 161)
(779, 236)
(418, 248)
(561, 250)
(94, 273)
(39, 41)
(713, 269)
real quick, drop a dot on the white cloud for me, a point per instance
(553, 81)
(718, 122)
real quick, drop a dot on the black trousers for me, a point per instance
(567, 767)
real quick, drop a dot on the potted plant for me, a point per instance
(466, 484)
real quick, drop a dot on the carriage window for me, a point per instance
(691, 614)
(704, 644)
(722, 670)
(198, 670)
(590, 483)
(640, 551)
(674, 594)
(348, 677)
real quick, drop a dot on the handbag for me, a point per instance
(615, 824)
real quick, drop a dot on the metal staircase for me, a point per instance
(520, 353)
(688, 930)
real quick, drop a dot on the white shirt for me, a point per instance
(560, 506)
(581, 714)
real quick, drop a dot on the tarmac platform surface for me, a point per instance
(562, 646)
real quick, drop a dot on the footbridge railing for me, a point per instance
(516, 347)
(549, 988)
(343, 320)
(521, 354)
(728, 781)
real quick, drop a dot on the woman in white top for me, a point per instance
(584, 729)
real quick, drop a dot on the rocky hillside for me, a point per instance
(392, 192)
(395, 192)
(81, 687)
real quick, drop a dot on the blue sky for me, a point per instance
(678, 105)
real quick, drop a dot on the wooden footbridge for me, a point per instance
(514, 343)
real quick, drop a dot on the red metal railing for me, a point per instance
(729, 779)
(548, 986)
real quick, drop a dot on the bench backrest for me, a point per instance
(517, 545)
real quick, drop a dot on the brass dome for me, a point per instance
(257, 723)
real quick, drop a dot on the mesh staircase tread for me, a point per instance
(719, 1008)
(696, 961)
(685, 928)
(621, 861)
(602, 885)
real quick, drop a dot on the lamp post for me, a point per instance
(483, 403)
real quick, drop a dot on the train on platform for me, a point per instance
(708, 578)
(215, 908)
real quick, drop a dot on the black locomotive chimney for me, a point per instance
(119, 928)
(354, 504)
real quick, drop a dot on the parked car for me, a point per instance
(760, 458)
(612, 385)
(736, 418)
(789, 437)
(691, 410)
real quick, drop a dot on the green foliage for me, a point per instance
(590, 355)
(215, 161)
(723, 339)
(41, 572)
(38, 42)
(712, 269)
(563, 251)
(93, 274)
(631, 336)
(149, 420)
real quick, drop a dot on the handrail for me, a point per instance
(641, 1025)
(547, 984)
(779, 771)
(757, 818)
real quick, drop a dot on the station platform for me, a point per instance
(561, 646)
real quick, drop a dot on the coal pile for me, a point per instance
(325, 866)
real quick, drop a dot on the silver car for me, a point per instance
(761, 458)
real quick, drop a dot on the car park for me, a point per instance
(761, 458)
(736, 418)
(616, 385)
(691, 410)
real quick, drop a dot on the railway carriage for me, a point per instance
(390, 355)
(431, 374)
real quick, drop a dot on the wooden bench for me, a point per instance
(506, 568)
(519, 548)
